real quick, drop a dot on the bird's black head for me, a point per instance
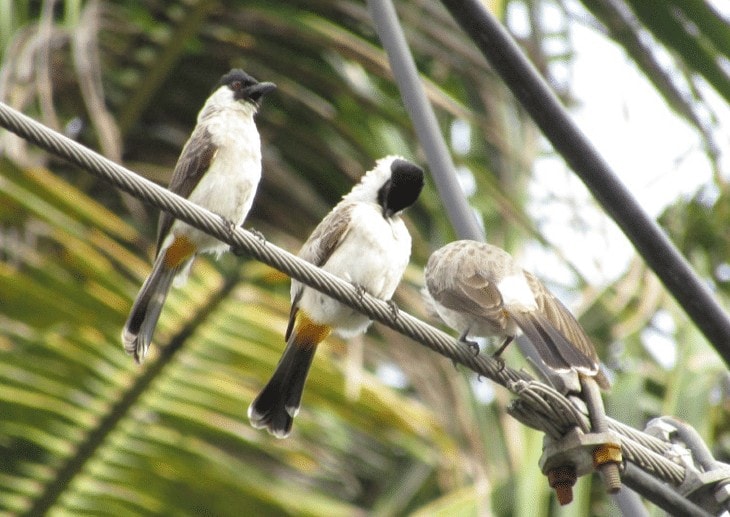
(245, 87)
(402, 189)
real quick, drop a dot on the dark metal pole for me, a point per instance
(538, 99)
(460, 214)
(661, 494)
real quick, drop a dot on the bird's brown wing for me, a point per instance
(320, 245)
(474, 295)
(328, 235)
(194, 161)
(566, 341)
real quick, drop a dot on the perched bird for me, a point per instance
(219, 168)
(364, 241)
(479, 290)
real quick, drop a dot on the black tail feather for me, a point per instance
(278, 403)
(142, 320)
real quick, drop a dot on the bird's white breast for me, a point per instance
(229, 186)
(373, 255)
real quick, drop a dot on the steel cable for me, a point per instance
(539, 405)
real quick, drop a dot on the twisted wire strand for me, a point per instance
(652, 462)
(646, 440)
(538, 405)
(541, 407)
(257, 247)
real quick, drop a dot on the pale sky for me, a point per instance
(657, 155)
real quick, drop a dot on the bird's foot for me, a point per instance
(473, 345)
(231, 226)
(497, 357)
(503, 346)
(394, 309)
(360, 291)
(256, 233)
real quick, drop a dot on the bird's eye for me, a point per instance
(236, 85)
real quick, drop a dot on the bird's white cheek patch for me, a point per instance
(516, 291)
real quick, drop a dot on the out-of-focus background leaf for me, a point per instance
(386, 427)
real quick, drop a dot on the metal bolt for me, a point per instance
(562, 480)
(607, 458)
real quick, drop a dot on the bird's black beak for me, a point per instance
(256, 91)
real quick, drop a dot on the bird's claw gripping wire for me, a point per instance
(500, 361)
(231, 226)
(473, 345)
(256, 233)
(360, 291)
(238, 250)
(394, 309)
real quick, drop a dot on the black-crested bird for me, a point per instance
(219, 168)
(479, 290)
(364, 241)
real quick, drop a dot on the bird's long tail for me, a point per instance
(278, 403)
(142, 320)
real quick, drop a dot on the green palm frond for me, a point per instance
(83, 430)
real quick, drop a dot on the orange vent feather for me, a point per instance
(309, 333)
(179, 251)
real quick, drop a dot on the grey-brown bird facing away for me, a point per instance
(362, 240)
(479, 290)
(219, 169)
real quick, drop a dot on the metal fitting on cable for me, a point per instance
(607, 456)
(562, 480)
(607, 459)
(576, 454)
(706, 481)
